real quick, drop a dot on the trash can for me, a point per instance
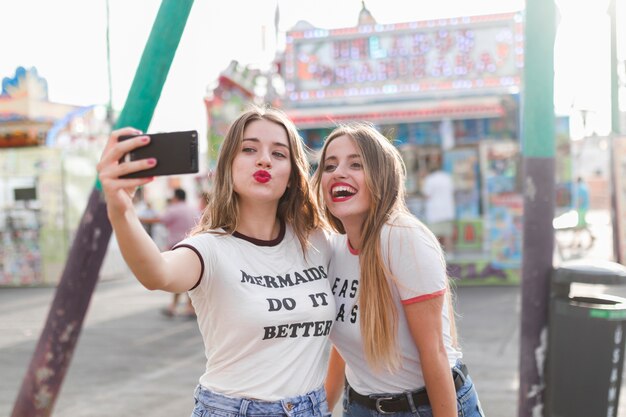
(585, 341)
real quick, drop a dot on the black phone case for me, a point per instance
(175, 152)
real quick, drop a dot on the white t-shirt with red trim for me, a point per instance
(264, 312)
(411, 254)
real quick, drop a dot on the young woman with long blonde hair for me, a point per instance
(255, 269)
(394, 331)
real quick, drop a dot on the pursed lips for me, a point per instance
(262, 176)
(341, 192)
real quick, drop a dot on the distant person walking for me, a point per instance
(581, 201)
(144, 210)
(581, 204)
(178, 218)
(438, 188)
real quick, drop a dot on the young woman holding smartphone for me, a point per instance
(255, 268)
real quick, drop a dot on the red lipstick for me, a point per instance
(262, 176)
(341, 191)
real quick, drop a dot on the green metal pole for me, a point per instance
(155, 64)
(538, 149)
(43, 380)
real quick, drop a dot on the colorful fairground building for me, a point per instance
(445, 90)
(48, 153)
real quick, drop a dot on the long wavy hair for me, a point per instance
(297, 206)
(385, 175)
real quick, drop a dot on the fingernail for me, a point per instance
(145, 139)
(152, 161)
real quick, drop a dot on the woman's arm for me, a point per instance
(424, 319)
(175, 271)
(334, 378)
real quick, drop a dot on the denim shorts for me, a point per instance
(467, 403)
(212, 404)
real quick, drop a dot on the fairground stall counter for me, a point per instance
(442, 90)
(48, 153)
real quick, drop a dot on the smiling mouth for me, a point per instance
(342, 192)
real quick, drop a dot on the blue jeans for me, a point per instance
(467, 404)
(212, 404)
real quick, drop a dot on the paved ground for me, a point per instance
(131, 360)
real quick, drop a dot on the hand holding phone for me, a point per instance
(175, 153)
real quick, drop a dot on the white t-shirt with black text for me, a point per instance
(264, 313)
(410, 252)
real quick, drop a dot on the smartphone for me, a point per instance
(175, 152)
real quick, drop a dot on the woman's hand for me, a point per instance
(118, 191)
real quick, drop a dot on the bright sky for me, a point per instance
(65, 40)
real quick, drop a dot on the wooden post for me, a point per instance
(43, 380)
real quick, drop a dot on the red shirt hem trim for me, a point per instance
(423, 297)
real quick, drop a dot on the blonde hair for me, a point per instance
(384, 177)
(297, 206)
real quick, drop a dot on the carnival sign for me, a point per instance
(406, 59)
